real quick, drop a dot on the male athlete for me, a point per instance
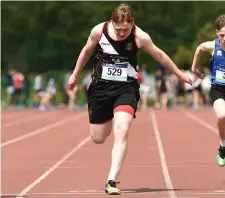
(217, 92)
(114, 91)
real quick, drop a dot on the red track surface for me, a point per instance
(171, 154)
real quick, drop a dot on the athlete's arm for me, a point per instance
(201, 49)
(144, 41)
(88, 49)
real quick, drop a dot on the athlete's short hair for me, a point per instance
(220, 22)
(123, 13)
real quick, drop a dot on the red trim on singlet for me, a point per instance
(125, 108)
(139, 77)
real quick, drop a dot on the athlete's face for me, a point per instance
(122, 30)
(221, 34)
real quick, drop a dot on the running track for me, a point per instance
(50, 155)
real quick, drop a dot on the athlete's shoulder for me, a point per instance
(208, 46)
(99, 27)
(97, 30)
(141, 34)
(141, 37)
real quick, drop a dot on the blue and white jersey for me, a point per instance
(217, 65)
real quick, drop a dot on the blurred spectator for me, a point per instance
(206, 84)
(172, 82)
(38, 88)
(9, 85)
(49, 95)
(18, 80)
(161, 89)
(26, 89)
(145, 89)
(188, 89)
(197, 93)
(86, 82)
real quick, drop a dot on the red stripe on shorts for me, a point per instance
(125, 108)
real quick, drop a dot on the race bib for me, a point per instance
(220, 76)
(115, 72)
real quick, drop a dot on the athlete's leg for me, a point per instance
(123, 116)
(99, 132)
(219, 108)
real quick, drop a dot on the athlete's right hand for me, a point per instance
(184, 78)
(198, 73)
(72, 82)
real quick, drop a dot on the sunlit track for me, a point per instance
(24, 119)
(66, 152)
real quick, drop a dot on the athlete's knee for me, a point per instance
(121, 132)
(97, 139)
(99, 132)
(98, 135)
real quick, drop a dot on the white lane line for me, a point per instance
(53, 168)
(201, 122)
(165, 170)
(40, 130)
(24, 120)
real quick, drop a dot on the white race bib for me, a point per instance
(220, 76)
(115, 72)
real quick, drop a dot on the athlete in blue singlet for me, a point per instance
(217, 92)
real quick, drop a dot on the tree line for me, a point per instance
(49, 35)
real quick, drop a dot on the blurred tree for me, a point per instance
(184, 55)
(42, 35)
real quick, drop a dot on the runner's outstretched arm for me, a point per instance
(148, 46)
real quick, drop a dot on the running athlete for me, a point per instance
(217, 92)
(114, 91)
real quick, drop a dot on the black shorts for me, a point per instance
(105, 96)
(217, 92)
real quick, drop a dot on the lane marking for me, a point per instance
(54, 167)
(165, 170)
(23, 120)
(40, 130)
(201, 122)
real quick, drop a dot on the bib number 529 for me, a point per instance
(114, 71)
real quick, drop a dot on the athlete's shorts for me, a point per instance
(217, 92)
(105, 96)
